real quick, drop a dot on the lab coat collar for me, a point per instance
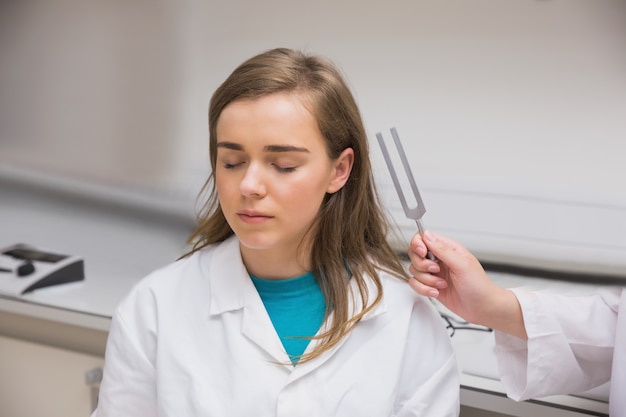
(354, 308)
(231, 284)
(228, 277)
(232, 289)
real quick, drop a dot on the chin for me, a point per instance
(256, 241)
(268, 242)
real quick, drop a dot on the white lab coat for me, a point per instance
(574, 344)
(194, 339)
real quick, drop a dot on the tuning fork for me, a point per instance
(416, 213)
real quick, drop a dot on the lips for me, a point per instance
(253, 217)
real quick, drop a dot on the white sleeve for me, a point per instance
(569, 348)
(128, 385)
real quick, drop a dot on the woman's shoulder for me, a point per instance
(393, 282)
(398, 294)
(179, 278)
(401, 304)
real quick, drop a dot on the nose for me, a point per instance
(252, 184)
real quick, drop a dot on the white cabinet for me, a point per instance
(44, 381)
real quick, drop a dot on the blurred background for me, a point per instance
(527, 93)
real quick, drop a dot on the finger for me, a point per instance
(422, 289)
(418, 246)
(423, 264)
(448, 251)
(426, 278)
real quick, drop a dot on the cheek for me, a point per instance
(304, 196)
(223, 188)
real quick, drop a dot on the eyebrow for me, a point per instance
(268, 148)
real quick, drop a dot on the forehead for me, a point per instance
(280, 117)
(272, 107)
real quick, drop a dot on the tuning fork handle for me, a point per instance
(420, 228)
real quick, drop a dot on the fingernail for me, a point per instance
(441, 284)
(429, 236)
(433, 293)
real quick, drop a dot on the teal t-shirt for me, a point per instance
(296, 307)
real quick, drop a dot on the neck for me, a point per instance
(274, 265)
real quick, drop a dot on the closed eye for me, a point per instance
(231, 166)
(284, 169)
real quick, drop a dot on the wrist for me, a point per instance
(506, 314)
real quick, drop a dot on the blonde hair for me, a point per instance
(350, 232)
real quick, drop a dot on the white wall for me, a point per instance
(519, 98)
(532, 93)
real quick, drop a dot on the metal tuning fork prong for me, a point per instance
(416, 213)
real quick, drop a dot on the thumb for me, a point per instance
(448, 251)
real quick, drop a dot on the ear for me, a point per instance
(341, 170)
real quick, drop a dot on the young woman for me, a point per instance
(291, 302)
